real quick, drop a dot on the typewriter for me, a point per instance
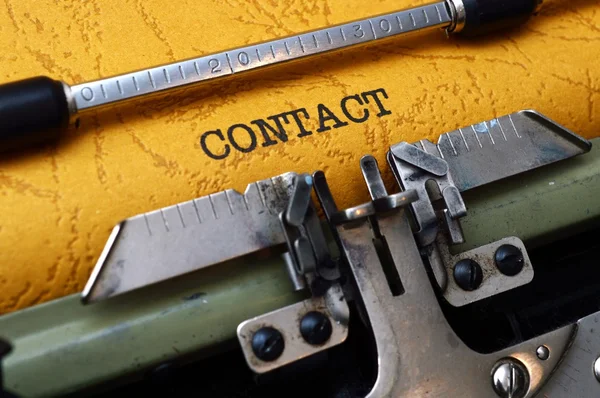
(465, 266)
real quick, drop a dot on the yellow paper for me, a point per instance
(59, 204)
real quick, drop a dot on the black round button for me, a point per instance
(509, 260)
(468, 274)
(315, 328)
(268, 343)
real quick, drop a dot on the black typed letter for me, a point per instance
(296, 115)
(373, 94)
(325, 118)
(279, 131)
(207, 151)
(234, 142)
(344, 107)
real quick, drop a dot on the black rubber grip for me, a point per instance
(31, 111)
(484, 16)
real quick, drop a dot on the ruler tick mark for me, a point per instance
(463, 138)
(301, 44)
(275, 188)
(196, 209)
(230, 66)
(315, 41)
(162, 214)
(181, 72)
(151, 79)
(103, 90)
(329, 38)
(476, 136)
(272, 51)
(489, 131)
(246, 202)
(260, 194)
(119, 87)
(213, 207)
(197, 68)
(258, 55)
(373, 30)
(399, 22)
(501, 129)
(180, 216)
(412, 18)
(425, 15)
(135, 84)
(513, 126)
(167, 77)
(451, 144)
(147, 225)
(440, 151)
(286, 47)
(343, 34)
(439, 14)
(229, 202)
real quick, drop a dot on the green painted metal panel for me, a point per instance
(62, 345)
(536, 206)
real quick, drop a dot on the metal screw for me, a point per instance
(316, 328)
(268, 343)
(543, 352)
(509, 260)
(510, 378)
(597, 368)
(468, 274)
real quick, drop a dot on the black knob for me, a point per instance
(316, 328)
(484, 16)
(268, 343)
(31, 111)
(509, 260)
(468, 274)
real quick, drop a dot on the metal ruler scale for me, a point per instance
(179, 74)
(188, 236)
(504, 146)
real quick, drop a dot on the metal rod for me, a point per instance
(91, 95)
(33, 110)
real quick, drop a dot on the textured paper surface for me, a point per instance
(59, 204)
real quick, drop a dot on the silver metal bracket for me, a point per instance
(275, 339)
(287, 322)
(493, 281)
(414, 169)
(381, 202)
(460, 282)
(308, 251)
(476, 155)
